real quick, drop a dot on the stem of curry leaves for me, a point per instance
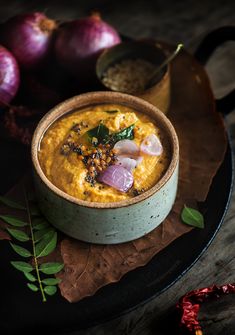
(34, 250)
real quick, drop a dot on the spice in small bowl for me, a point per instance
(130, 75)
(128, 67)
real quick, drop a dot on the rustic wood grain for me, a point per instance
(185, 21)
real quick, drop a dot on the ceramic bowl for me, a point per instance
(106, 223)
(159, 93)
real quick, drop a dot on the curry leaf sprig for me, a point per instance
(43, 238)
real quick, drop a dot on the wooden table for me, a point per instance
(182, 21)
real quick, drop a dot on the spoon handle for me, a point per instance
(166, 61)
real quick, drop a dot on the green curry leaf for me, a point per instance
(100, 132)
(32, 287)
(124, 134)
(11, 203)
(51, 281)
(50, 290)
(192, 217)
(22, 266)
(38, 235)
(18, 234)
(47, 244)
(40, 223)
(114, 111)
(30, 277)
(13, 221)
(51, 268)
(20, 250)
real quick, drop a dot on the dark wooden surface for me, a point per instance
(187, 22)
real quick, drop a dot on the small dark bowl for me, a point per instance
(159, 93)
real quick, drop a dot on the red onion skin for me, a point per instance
(79, 43)
(29, 37)
(9, 77)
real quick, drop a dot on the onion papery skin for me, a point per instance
(29, 37)
(117, 177)
(79, 43)
(9, 77)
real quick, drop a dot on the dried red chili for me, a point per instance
(189, 304)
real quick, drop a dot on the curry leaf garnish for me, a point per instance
(46, 245)
(124, 134)
(42, 233)
(51, 268)
(13, 221)
(192, 217)
(40, 223)
(51, 281)
(50, 290)
(114, 111)
(10, 203)
(30, 277)
(20, 250)
(22, 266)
(18, 234)
(32, 287)
(100, 133)
(43, 239)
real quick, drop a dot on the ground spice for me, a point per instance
(129, 76)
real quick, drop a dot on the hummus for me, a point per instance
(66, 170)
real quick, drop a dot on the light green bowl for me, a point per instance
(106, 223)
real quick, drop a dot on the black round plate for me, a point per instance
(23, 311)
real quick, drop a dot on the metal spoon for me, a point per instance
(167, 61)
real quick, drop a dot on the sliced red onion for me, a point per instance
(126, 162)
(139, 159)
(118, 177)
(126, 147)
(129, 163)
(151, 145)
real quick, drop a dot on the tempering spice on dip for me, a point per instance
(104, 153)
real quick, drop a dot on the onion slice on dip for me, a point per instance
(151, 145)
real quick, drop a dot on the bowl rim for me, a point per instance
(102, 97)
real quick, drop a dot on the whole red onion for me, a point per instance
(9, 76)
(29, 38)
(79, 43)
